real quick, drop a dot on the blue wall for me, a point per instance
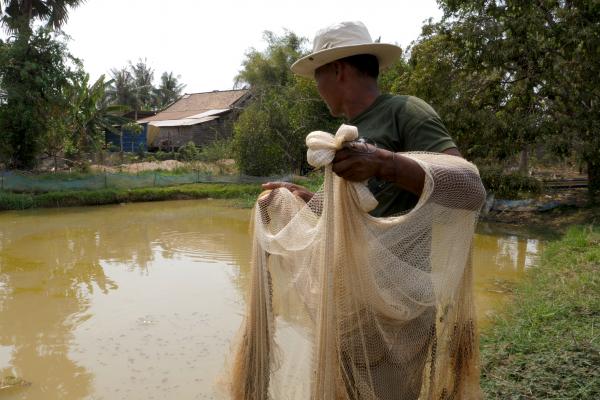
(131, 141)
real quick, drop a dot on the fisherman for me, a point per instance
(345, 63)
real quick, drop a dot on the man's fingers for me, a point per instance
(343, 154)
(341, 167)
(271, 185)
(275, 185)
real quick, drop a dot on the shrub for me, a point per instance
(188, 152)
(217, 150)
(165, 155)
(509, 185)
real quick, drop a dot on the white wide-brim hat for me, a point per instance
(344, 40)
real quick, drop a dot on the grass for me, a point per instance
(241, 193)
(547, 344)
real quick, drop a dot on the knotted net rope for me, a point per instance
(346, 306)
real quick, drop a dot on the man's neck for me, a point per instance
(359, 100)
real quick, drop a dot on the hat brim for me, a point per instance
(385, 53)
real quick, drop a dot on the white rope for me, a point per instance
(322, 147)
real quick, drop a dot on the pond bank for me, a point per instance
(243, 195)
(546, 344)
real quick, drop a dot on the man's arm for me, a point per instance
(359, 162)
(361, 165)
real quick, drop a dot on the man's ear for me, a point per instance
(338, 69)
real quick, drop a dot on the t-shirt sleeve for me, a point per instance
(424, 130)
(429, 135)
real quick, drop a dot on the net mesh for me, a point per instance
(343, 305)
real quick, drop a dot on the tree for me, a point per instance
(467, 101)
(269, 135)
(121, 87)
(168, 90)
(34, 74)
(133, 86)
(89, 116)
(543, 57)
(142, 89)
(18, 15)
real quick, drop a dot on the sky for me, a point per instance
(205, 41)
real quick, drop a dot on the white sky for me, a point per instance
(205, 41)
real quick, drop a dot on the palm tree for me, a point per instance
(168, 91)
(17, 15)
(121, 89)
(143, 76)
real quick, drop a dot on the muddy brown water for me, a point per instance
(141, 301)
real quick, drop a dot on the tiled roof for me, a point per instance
(196, 103)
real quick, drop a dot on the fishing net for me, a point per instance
(346, 306)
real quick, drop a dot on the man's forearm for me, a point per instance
(402, 171)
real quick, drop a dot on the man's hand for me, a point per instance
(358, 161)
(297, 190)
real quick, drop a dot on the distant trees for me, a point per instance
(48, 106)
(168, 90)
(528, 71)
(133, 86)
(33, 76)
(269, 135)
(510, 75)
(506, 76)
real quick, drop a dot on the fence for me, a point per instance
(26, 182)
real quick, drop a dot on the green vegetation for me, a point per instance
(509, 185)
(243, 194)
(510, 79)
(547, 344)
(48, 106)
(270, 133)
(133, 86)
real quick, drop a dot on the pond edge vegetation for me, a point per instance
(546, 343)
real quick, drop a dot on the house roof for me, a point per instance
(192, 120)
(190, 105)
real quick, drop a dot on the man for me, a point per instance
(345, 64)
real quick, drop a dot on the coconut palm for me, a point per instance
(17, 15)
(168, 91)
(121, 87)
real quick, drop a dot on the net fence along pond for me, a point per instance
(24, 182)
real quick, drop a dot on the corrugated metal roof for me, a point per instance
(198, 103)
(181, 122)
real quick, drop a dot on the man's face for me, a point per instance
(327, 85)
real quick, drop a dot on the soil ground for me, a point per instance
(572, 209)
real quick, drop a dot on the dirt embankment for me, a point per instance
(225, 166)
(554, 209)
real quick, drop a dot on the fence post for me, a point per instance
(2, 181)
(154, 183)
(198, 175)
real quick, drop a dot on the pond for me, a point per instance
(141, 301)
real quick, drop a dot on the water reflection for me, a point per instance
(501, 255)
(58, 267)
(141, 301)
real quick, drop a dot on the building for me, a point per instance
(131, 141)
(197, 117)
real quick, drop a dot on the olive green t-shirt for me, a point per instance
(400, 123)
